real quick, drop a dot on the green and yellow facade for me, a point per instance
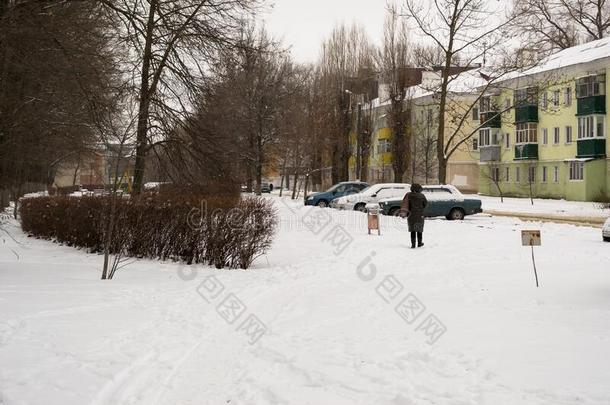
(545, 134)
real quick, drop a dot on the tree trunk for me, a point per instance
(144, 104)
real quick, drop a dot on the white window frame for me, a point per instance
(544, 174)
(486, 105)
(507, 140)
(592, 85)
(588, 126)
(567, 96)
(489, 137)
(555, 174)
(556, 136)
(507, 174)
(526, 133)
(544, 101)
(545, 136)
(569, 134)
(531, 174)
(517, 174)
(576, 170)
(556, 96)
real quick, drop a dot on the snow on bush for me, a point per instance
(220, 231)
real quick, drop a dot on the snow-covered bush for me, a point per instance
(220, 231)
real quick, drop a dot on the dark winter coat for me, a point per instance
(413, 206)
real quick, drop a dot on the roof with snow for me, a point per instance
(576, 55)
(465, 82)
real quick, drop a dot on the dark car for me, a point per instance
(444, 201)
(323, 199)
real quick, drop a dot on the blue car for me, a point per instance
(323, 199)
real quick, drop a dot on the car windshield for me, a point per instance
(365, 190)
(333, 188)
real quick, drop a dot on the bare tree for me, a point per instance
(462, 30)
(491, 172)
(559, 24)
(394, 59)
(345, 63)
(172, 43)
(55, 58)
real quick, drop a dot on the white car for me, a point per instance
(606, 231)
(372, 194)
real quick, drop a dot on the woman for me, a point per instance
(413, 208)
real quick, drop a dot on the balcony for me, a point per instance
(591, 148)
(591, 105)
(526, 113)
(526, 151)
(491, 119)
(490, 153)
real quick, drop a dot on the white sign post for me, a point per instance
(532, 238)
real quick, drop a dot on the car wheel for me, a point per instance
(322, 204)
(360, 207)
(456, 214)
(606, 238)
(395, 212)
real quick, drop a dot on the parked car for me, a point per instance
(443, 200)
(266, 187)
(606, 231)
(323, 199)
(372, 194)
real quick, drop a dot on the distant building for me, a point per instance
(98, 167)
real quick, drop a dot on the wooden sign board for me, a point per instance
(531, 238)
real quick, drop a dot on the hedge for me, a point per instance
(223, 232)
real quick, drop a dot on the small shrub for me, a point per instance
(220, 231)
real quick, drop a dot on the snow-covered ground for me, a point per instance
(322, 310)
(575, 209)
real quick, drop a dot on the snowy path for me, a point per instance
(149, 337)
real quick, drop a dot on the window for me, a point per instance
(545, 136)
(507, 140)
(556, 174)
(384, 146)
(517, 174)
(528, 96)
(531, 174)
(544, 102)
(577, 170)
(507, 104)
(600, 130)
(475, 113)
(507, 174)
(475, 144)
(495, 173)
(485, 104)
(556, 95)
(527, 133)
(589, 86)
(591, 126)
(567, 96)
(544, 175)
(488, 137)
(568, 134)
(556, 135)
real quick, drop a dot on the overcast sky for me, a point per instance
(304, 24)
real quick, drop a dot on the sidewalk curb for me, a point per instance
(595, 222)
